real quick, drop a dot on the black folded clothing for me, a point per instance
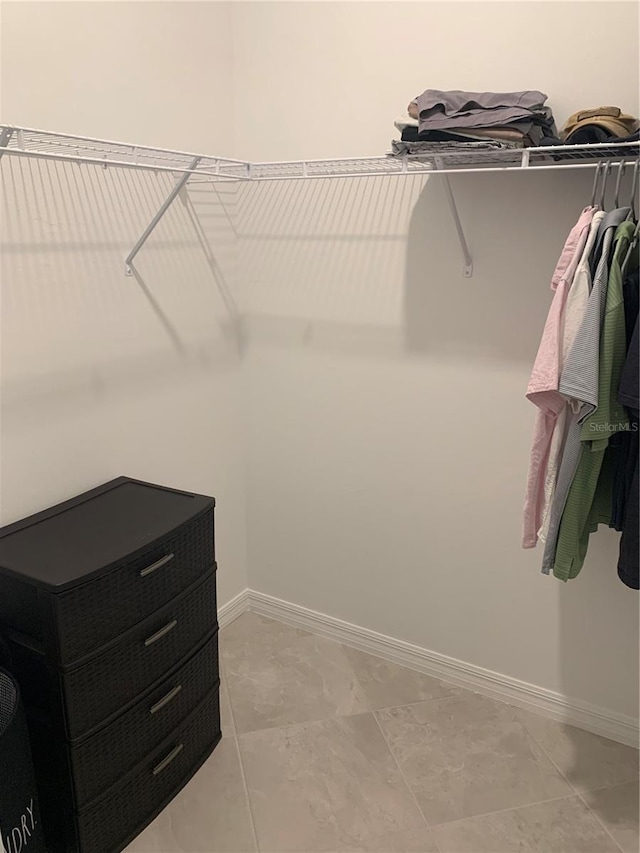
(412, 134)
(594, 135)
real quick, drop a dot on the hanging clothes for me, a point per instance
(628, 395)
(570, 281)
(627, 441)
(579, 383)
(589, 499)
(583, 469)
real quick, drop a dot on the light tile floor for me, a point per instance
(327, 750)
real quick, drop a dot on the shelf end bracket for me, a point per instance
(5, 136)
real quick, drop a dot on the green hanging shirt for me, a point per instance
(590, 496)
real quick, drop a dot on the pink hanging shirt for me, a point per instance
(545, 376)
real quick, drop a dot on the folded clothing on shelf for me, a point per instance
(516, 136)
(405, 122)
(519, 118)
(438, 109)
(600, 124)
(402, 148)
(439, 122)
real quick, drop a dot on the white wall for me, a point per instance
(158, 72)
(389, 429)
(92, 385)
(388, 433)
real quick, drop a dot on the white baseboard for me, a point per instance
(234, 608)
(593, 718)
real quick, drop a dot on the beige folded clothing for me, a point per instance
(506, 134)
(612, 119)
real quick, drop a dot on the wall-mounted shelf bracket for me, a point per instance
(467, 269)
(180, 183)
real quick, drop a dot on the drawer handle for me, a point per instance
(155, 566)
(161, 633)
(175, 752)
(165, 699)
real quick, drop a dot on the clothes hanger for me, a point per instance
(621, 170)
(631, 216)
(632, 200)
(632, 245)
(595, 184)
(603, 189)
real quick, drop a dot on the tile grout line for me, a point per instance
(242, 773)
(572, 786)
(344, 716)
(609, 787)
(425, 701)
(247, 796)
(597, 817)
(373, 712)
(404, 779)
(568, 796)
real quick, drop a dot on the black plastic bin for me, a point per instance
(20, 824)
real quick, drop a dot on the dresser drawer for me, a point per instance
(108, 755)
(93, 613)
(111, 822)
(101, 687)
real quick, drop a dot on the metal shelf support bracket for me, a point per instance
(467, 269)
(156, 219)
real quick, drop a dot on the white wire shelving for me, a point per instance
(44, 144)
(445, 160)
(47, 145)
(195, 168)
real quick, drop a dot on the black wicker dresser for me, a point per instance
(108, 610)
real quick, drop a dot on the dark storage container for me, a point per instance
(20, 824)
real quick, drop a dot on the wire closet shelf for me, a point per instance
(27, 142)
(188, 167)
